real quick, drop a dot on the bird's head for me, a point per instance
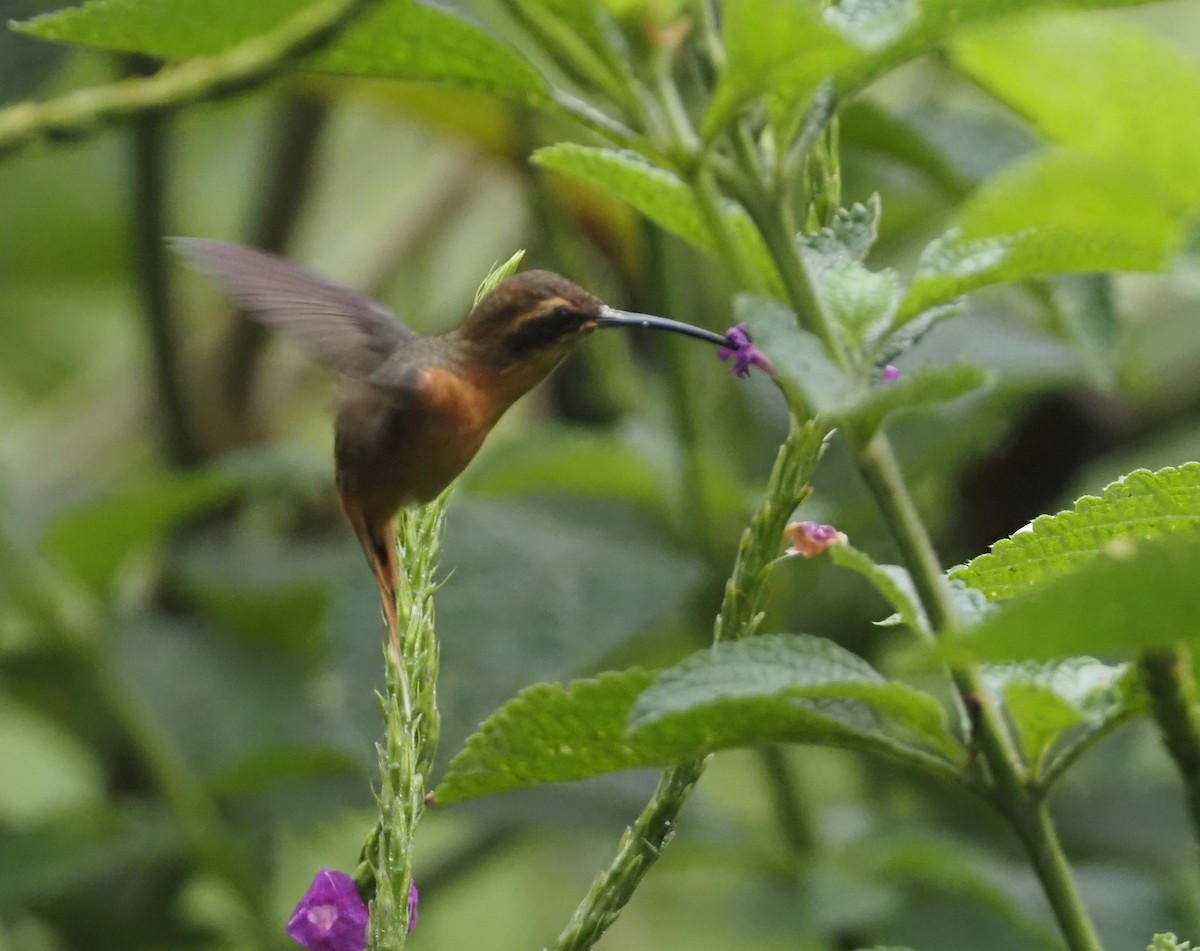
(529, 323)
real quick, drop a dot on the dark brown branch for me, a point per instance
(148, 141)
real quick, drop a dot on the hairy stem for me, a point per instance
(745, 595)
(406, 753)
(1012, 792)
(1171, 685)
(83, 112)
(638, 849)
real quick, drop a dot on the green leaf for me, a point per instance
(407, 39)
(550, 733)
(587, 20)
(719, 693)
(919, 389)
(813, 383)
(1168, 942)
(404, 39)
(659, 194)
(569, 460)
(24, 62)
(781, 47)
(847, 240)
(859, 299)
(1142, 505)
(1044, 701)
(57, 773)
(543, 588)
(172, 29)
(867, 127)
(1134, 596)
(92, 541)
(891, 581)
(898, 342)
(1053, 213)
(856, 298)
(1107, 88)
(873, 24)
(219, 702)
(899, 30)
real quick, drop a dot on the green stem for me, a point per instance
(676, 297)
(247, 64)
(730, 250)
(148, 139)
(791, 812)
(594, 68)
(638, 850)
(412, 727)
(604, 125)
(1012, 794)
(772, 221)
(710, 33)
(1171, 686)
(741, 612)
(1050, 864)
(683, 134)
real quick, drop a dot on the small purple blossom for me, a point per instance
(890, 374)
(739, 346)
(331, 916)
(413, 896)
(809, 539)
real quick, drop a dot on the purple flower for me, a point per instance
(331, 916)
(890, 374)
(744, 353)
(809, 539)
(412, 906)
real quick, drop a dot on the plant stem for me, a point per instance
(639, 848)
(412, 727)
(148, 138)
(787, 799)
(877, 463)
(745, 594)
(247, 64)
(673, 296)
(710, 33)
(1171, 685)
(1041, 844)
(599, 68)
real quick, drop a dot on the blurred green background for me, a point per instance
(189, 641)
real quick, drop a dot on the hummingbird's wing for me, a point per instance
(337, 326)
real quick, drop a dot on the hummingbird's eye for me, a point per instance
(562, 313)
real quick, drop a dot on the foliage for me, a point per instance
(191, 682)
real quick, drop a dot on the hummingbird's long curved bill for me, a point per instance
(611, 317)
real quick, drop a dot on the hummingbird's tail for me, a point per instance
(381, 556)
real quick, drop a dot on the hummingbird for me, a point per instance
(411, 410)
